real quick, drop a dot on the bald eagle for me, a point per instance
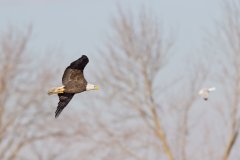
(205, 92)
(73, 82)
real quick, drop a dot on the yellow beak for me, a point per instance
(96, 87)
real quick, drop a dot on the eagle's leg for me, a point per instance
(56, 90)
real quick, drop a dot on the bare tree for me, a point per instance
(132, 60)
(138, 94)
(183, 104)
(227, 47)
(25, 114)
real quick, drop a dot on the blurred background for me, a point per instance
(150, 59)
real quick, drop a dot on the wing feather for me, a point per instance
(79, 64)
(64, 99)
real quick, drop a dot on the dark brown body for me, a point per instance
(74, 81)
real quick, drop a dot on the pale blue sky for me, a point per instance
(82, 26)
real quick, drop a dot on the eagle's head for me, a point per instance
(91, 87)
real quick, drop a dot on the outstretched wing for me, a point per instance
(74, 72)
(79, 64)
(64, 99)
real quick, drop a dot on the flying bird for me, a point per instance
(73, 82)
(204, 93)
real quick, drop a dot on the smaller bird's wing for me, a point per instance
(64, 99)
(211, 89)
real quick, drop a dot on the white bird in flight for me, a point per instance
(205, 92)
